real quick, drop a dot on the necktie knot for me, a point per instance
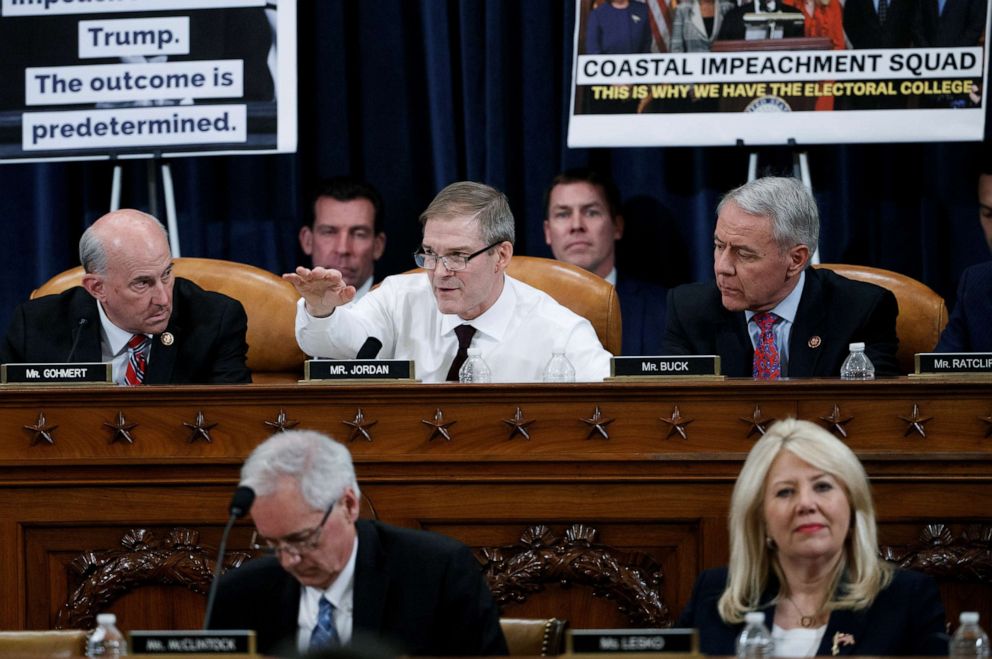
(765, 320)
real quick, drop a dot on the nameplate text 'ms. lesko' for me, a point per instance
(935, 363)
(69, 373)
(632, 641)
(235, 642)
(358, 369)
(665, 366)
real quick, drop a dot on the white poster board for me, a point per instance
(811, 83)
(138, 78)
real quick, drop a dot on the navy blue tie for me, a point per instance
(325, 634)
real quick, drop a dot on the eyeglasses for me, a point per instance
(294, 544)
(452, 262)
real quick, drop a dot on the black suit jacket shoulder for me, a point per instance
(642, 311)
(208, 331)
(864, 30)
(970, 326)
(833, 312)
(422, 592)
(906, 618)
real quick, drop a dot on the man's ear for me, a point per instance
(504, 252)
(94, 285)
(351, 504)
(378, 245)
(617, 226)
(306, 240)
(798, 260)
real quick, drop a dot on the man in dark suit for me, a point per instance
(337, 580)
(582, 225)
(767, 315)
(131, 311)
(878, 23)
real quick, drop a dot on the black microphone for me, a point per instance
(369, 349)
(76, 334)
(240, 503)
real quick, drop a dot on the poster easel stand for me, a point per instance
(800, 170)
(168, 192)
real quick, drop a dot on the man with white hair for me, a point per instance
(334, 579)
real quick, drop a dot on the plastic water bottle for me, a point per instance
(106, 640)
(969, 640)
(755, 641)
(475, 368)
(559, 369)
(857, 366)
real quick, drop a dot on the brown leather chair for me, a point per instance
(922, 312)
(534, 637)
(63, 643)
(588, 295)
(269, 301)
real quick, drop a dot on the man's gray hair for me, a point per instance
(93, 253)
(487, 205)
(320, 465)
(787, 202)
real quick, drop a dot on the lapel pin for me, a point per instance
(814, 341)
(167, 338)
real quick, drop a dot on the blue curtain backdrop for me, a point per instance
(413, 95)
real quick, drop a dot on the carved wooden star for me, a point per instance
(201, 429)
(677, 423)
(282, 422)
(360, 427)
(518, 425)
(836, 422)
(916, 422)
(759, 423)
(597, 424)
(121, 428)
(42, 431)
(988, 425)
(439, 427)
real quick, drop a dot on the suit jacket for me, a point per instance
(735, 28)
(689, 31)
(833, 309)
(970, 326)
(420, 591)
(865, 31)
(642, 314)
(906, 618)
(960, 24)
(209, 331)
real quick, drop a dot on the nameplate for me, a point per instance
(70, 373)
(665, 366)
(358, 369)
(932, 363)
(632, 641)
(238, 643)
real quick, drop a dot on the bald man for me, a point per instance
(131, 311)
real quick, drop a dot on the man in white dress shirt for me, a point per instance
(468, 234)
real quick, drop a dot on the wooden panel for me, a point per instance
(644, 499)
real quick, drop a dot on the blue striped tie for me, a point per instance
(325, 634)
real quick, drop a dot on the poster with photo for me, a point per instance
(86, 79)
(717, 73)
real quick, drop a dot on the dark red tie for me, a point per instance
(137, 357)
(464, 334)
(766, 361)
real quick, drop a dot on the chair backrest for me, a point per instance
(534, 637)
(922, 312)
(61, 643)
(269, 301)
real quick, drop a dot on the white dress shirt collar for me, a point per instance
(363, 289)
(612, 277)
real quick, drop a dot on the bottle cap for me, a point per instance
(752, 617)
(856, 346)
(969, 618)
(111, 619)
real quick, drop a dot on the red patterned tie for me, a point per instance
(137, 356)
(766, 362)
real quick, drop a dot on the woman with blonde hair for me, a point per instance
(803, 550)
